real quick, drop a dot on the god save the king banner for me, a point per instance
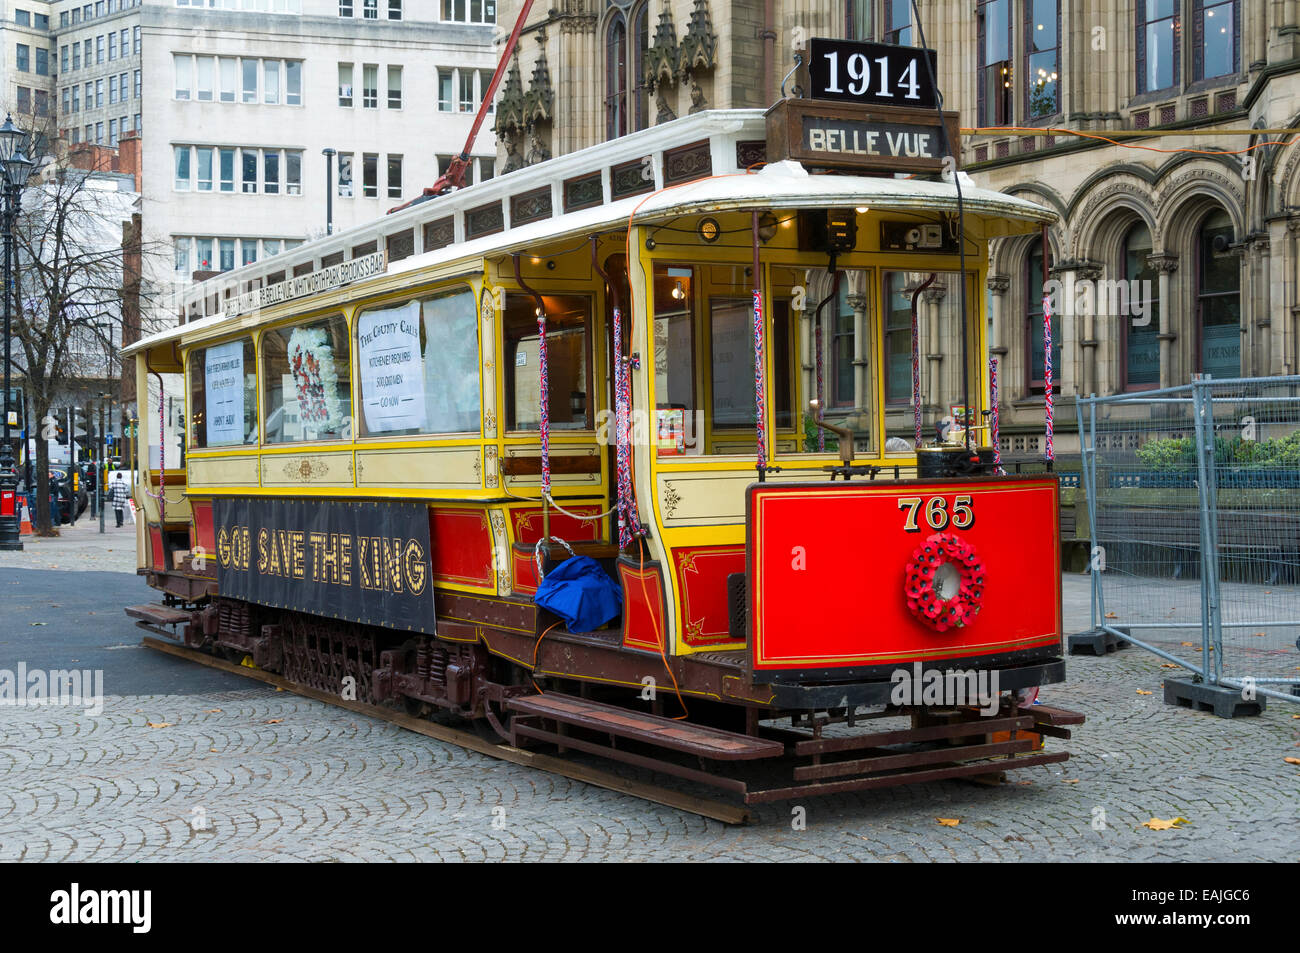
(363, 562)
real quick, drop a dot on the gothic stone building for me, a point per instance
(1206, 235)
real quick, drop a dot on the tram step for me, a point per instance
(1048, 715)
(663, 732)
(158, 614)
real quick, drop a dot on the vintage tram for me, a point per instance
(744, 385)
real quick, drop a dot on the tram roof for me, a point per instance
(778, 185)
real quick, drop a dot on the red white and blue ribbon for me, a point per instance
(544, 423)
(760, 400)
(993, 415)
(1047, 375)
(916, 374)
(821, 386)
(628, 523)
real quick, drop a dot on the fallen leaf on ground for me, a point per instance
(1022, 783)
(1168, 665)
(212, 711)
(159, 724)
(1157, 824)
(40, 623)
(1186, 643)
(948, 821)
(1258, 635)
(1071, 780)
(273, 721)
(1292, 760)
(1111, 615)
(212, 750)
(1143, 692)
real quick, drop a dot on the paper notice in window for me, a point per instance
(223, 382)
(392, 368)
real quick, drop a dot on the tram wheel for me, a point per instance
(416, 708)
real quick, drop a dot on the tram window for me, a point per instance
(675, 407)
(939, 330)
(832, 367)
(306, 381)
(223, 395)
(898, 339)
(418, 365)
(568, 318)
(731, 358)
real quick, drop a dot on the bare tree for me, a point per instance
(70, 292)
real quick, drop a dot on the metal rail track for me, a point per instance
(727, 814)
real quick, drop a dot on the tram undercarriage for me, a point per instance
(585, 695)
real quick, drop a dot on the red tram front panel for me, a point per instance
(855, 576)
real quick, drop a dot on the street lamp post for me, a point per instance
(329, 190)
(15, 168)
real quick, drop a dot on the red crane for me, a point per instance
(454, 177)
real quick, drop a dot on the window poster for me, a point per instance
(315, 380)
(392, 369)
(223, 372)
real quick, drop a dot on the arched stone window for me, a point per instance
(626, 94)
(1034, 362)
(1218, 299)
(1140, 354)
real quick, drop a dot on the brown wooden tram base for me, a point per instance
(583, 692)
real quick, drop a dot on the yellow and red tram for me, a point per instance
(745, 390)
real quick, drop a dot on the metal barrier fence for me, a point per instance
(1194, 511)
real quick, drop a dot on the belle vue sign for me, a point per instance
(873, 107)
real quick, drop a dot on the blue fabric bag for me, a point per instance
(580, 593)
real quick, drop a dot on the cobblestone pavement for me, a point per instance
(248, 773)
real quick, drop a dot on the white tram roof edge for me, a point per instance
(727, 187)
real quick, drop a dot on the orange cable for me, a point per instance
(537, 645)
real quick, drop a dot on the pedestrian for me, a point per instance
(119, 493)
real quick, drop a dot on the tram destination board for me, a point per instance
(834, 135)
(360, 561)
(872, 74)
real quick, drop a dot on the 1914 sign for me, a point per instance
(873, 74)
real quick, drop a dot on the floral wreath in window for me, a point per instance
(315, 379)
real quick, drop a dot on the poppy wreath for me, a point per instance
(944, 614)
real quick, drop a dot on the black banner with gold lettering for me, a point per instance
(364, 562)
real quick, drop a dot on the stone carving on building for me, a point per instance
(661, 63)
(523, 118)
(510, 108)
(537, 148)
(539, 104)
(510, 142)
(699, 42)
(697, 53)
(540, 98)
